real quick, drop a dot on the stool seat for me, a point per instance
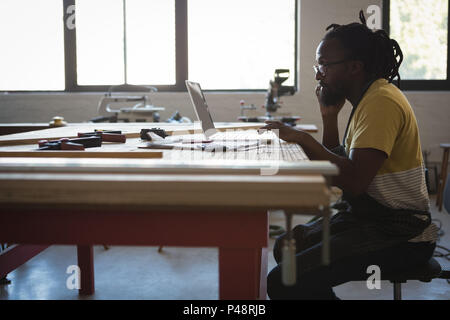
(426, 272)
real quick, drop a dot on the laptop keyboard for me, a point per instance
(241, 149)
(281, 151)
(261, 146)
(243, 135)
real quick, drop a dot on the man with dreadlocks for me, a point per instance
(383, 217)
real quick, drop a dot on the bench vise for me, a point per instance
(145, 133)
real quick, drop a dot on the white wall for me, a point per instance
(432, 108)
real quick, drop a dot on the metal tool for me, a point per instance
(276, 90)
(288, 269)
(160, 132)
(288, 250)
(177, 118)
(142, 111)
(106, 135)
(272, 101)
(70, 144)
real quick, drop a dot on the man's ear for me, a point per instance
(356, 67)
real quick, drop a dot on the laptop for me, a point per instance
(201, 108)
(207, 123)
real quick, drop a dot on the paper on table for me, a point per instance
(207, 146)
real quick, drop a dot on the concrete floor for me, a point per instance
(176, 273)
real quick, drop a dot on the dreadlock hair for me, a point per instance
(380, 55)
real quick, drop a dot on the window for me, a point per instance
(90, 45)
(237, 44)
(32, 38)
(421, 29)
(130, 41)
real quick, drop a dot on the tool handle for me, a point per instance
(42, 143)
(88, 141)
(66, 145)
(49, 145)
(106, 136)
(288, 265)
(113, 137)
(70, 144)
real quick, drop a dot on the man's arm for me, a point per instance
(330, 136)
(355, 172)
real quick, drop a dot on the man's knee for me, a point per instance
(308, 287)
(274, 285)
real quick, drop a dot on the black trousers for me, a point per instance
(315, 281)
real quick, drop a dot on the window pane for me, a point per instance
(32, 40)
(420, 27)
(238, 44)
(99, 28)
(150, 29)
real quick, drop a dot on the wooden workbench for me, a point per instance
(177, 202)
(130, 129)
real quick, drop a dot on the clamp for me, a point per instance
(70, 144)
(105, 135)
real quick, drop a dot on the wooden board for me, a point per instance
(80, 154)
(247, 191)
(174, 166)
(131, 130)
(11, 128)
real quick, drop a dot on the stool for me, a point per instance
(425, 273)
(443, 177)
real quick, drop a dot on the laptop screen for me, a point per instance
(201, 108)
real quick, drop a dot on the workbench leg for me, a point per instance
(242, 273)
(86, 264)
(16, 255)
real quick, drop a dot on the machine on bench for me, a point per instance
(142, 111)
(272, 103)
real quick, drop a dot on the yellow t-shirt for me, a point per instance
(384, 120)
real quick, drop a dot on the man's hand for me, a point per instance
(287, 133)
(328, 111)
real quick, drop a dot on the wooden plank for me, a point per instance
(118, 226)
(131, 130)
(251, 191)
(170, 166)
(11, 128)
(81, 154)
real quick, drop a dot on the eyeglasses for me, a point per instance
(322, 68)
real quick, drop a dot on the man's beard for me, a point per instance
(331, 97)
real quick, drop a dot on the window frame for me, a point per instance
(181, 58)
(181, 55)
(420, 85)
